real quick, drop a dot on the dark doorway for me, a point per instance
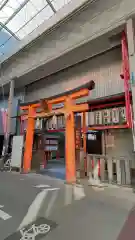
(10, 144)
(94, 142)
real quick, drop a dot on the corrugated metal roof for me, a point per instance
(18, 18)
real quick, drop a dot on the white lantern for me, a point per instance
(63, 121)
(91, 119)
(38, 124)
(107, 116)
(115, 115)
(54, 122)
(98, 117)
(123, 114)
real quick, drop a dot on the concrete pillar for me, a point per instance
(131, 50)
(128, 173)
(89, 166)
(10, 105)
(118, 170)
(102, 159)
(102, 168)
(110, 169)
(95, 170)
(9, 117)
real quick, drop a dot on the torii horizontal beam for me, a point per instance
(75, 93)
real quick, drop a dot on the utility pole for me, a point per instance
(9, 117)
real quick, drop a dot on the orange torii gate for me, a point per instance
(70, 107)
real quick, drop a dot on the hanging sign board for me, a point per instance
(57, 106)
(92, 136)
(51, 148)
(51, 145)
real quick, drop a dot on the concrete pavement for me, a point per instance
(25, 197)
(100, 215)
(79, 213)
(17, 193)
(90, 219)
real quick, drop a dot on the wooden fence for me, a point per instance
(110, 169)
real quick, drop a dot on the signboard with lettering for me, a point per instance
(111, 116)
(58, 105)
(77, 132)
(51, 148)
(78, 138)
(51, 145)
